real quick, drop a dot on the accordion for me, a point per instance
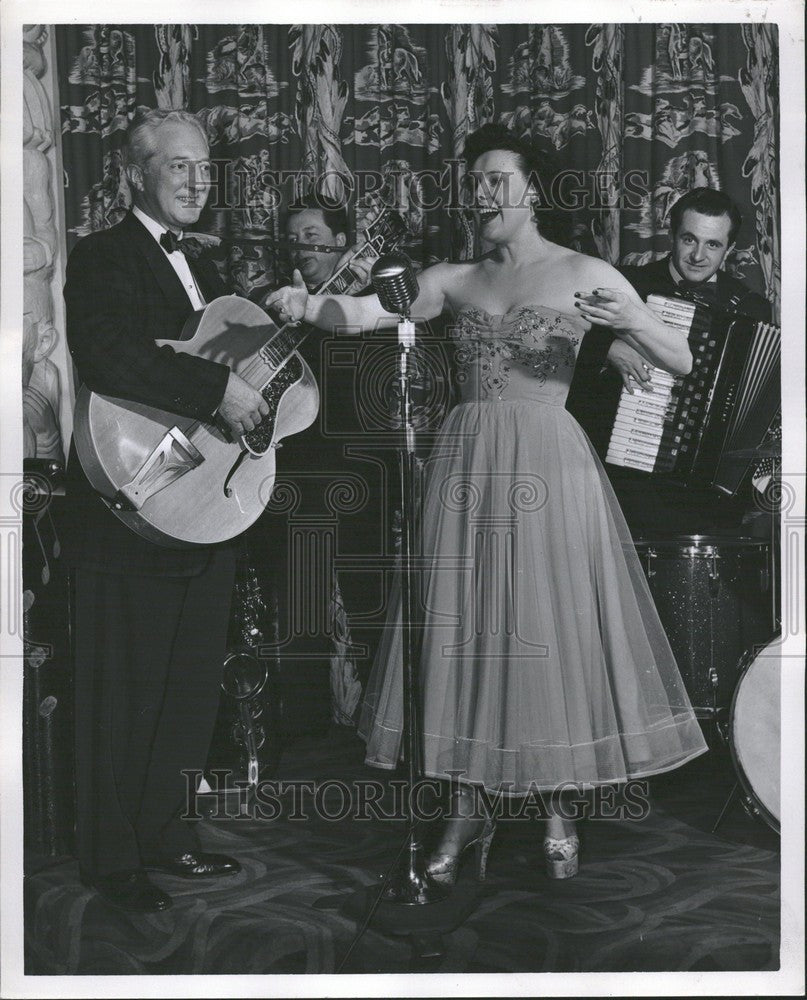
(702, 428)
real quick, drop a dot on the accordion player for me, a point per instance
(678, 456)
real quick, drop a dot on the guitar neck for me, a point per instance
(290, 336)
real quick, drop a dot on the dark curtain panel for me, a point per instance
(639, 113)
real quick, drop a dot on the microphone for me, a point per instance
(395, 283)
(397, 288)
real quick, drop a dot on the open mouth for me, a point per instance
(487, 215)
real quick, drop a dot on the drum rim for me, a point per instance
(705, 541)
(744, 664)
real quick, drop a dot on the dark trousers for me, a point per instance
(148, 661)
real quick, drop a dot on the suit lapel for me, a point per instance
(663, 273)
(725, 289)
(207, 278)
(166, 277)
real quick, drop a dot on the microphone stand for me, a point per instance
(411, 885)
(400, 907)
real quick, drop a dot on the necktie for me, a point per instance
(189, 246)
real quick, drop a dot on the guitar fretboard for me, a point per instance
(290, 336)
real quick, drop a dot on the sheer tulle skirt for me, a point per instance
(543, 659)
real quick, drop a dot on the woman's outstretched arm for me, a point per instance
(293, 302)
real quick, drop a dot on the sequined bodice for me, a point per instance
(527, 353)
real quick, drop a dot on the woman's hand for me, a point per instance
(610, 307)
(288, 303)
(622, 311)
(631, 366)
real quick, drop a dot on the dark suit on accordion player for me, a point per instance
(150, 621)
(703, 224)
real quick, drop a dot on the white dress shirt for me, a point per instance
(177, 259)
(678, 278)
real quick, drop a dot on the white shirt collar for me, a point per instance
(678, 278)
(153, 227)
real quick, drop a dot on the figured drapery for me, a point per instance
(638, 112)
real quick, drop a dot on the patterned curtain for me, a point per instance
(640, 113)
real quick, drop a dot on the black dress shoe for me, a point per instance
(131, 890)
(196, 864)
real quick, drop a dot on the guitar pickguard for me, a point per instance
(260, 440)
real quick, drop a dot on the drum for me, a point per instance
(755, 733)
(714, 598)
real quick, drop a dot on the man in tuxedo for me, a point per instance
(703, 226)
(150, 621)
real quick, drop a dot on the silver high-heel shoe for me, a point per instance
(561, 856)
(444, 866)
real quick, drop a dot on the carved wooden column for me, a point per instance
(46, 372)
(47, 423)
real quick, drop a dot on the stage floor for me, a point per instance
(660, 894)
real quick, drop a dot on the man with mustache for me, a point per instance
(150, 622)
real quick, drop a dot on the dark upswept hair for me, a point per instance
(707, 201)
(334, 214)
(539, 165)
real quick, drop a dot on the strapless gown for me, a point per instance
(543, 659)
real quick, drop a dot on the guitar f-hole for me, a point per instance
(236, 466)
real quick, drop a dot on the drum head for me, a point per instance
(756, 733)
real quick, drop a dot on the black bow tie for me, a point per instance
(698, 291)
(189, 246)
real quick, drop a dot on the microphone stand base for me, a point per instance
(413, 906)
(413, 888)
(423, 923)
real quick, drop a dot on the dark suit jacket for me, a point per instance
(122, 294)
